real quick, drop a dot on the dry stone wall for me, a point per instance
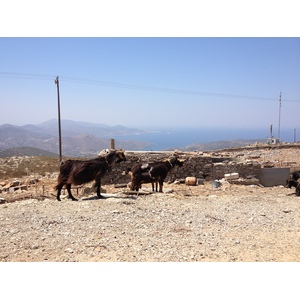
(195, 165)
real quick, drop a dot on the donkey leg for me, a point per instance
(69, 192)
(59, 187)
(138, 185)
(98, 185)
(298, 190)
(132, 186)
(152, 183)
(161, 182)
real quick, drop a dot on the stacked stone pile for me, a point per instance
(12, 186)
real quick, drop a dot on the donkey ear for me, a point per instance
(103, 152)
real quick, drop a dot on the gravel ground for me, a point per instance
(233, 223)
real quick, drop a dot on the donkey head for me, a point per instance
(115, 156)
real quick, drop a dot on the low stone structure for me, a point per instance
(197, 165)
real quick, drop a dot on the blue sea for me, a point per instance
(177, 138)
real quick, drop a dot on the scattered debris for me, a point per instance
(191, 181)
(231, 176)
(216, 184)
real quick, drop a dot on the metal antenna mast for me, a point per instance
(59, 126)
(279, 116)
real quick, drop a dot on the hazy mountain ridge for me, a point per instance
(78, 138)
(75, 128)
(87, 139)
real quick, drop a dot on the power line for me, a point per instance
(26, 76)
(136, 87)
(158, 89)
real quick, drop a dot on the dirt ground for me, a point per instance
(232, 223)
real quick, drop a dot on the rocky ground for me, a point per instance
(241, 223)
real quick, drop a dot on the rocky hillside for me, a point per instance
(26, 151)
(218, 145)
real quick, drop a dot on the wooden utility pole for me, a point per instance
(271, 131)
(279, 116)
(59, 124)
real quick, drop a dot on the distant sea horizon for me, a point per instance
(179, 138)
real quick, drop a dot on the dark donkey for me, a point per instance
(82, 171)
(293, 181)
(153, 172)
(138, 178)
(295, 184)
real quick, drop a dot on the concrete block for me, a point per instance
(274, 176)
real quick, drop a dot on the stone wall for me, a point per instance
(196, 165)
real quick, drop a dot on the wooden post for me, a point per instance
(112, 144)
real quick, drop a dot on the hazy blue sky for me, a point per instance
(153, 81)
(160, 82)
